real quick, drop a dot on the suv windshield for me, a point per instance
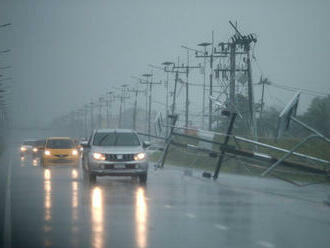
(60, 144)
(116, 139)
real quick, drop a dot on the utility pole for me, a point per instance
(136, 93)
(263, 82)
(91, 104)
(239, 45)
(186, 69)
(100, 105)
(232, 87)
(85, 108)
(171, 67)
(108, 104)
(149, 83)
(122, 98)
(212, 56)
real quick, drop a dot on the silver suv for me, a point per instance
(115, 152)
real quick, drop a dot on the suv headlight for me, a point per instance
(140, 156)
(75, 152)
(35, 149)
(47, 152)
(98, 156)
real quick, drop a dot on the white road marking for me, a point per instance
(190, 215)
(7, 222)
(221, 227)
(265, 244)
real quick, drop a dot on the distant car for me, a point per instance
(27, 147)
(38, 148)
(60, 150)
(114, 152)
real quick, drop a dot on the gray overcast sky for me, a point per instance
(64, 53)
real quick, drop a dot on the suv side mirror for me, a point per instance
(146, 144)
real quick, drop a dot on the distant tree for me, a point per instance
(318, 115)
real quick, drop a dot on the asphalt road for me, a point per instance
(55, 208)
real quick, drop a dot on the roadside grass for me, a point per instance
(200, 160)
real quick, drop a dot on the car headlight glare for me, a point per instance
(47, 153)
(140, 156)
(74, 152)
(35, 149)
(23, 149)
(98, 156)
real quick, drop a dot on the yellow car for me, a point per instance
(60, 150)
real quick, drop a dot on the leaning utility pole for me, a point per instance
(136, 93)
(149, 83)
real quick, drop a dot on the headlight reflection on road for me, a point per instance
(75, 225)
(141, 215)
(47, 207)
(97, 218)
(48, 191)
(75, 196)
(74, 174)
(47, 174)
(35, 162)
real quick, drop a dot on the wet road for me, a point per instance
(55, 208)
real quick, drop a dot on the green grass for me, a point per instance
(184, 157)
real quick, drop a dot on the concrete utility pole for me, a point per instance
(91, 105)
(149, 82)
(171, 67)
(232, 89)
(108, 100)
(100, 105)
(85, 109)
(212, 56)
(186, 69)
(136, 93)
(263, 82)
(245, 41)
(122, 98)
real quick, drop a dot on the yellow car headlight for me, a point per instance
(74, 152)
(98, 156)
(140, 156)
(47, 152)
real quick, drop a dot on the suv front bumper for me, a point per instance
(109, 169)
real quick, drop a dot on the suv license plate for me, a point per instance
(119, 166)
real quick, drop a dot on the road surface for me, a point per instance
(55, 207)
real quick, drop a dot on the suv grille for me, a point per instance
(119, 157)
